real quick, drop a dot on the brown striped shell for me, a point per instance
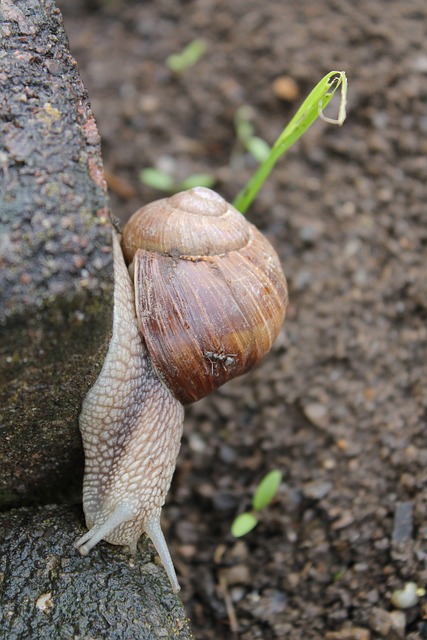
(210, 295)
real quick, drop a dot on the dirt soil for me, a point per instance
(340, 405)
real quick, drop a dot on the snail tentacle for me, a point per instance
(155, 533)
(98, 532)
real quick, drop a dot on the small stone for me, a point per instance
(329, 464)
(187, 551)
(316, 413)
(237, 593)
(149, 104)
(302, 279)
(239, 574)
(420, 64)
(406, 597)
(239, 551)
(197, 443)
(227, 454)
(398, 622)
(352, 248)
(317, 489)
(372, 596)
(45, 602)
(380, 621)
(310, 233)
(271, 605)
(403, 523)
(285, 88)
(350, 633)
(346, 519)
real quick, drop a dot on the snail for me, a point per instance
(199, 298)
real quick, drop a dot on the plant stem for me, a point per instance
(311, 109)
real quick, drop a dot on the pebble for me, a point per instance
(227, 454)
(239, 551)
(237, 593)
(285, 88)
(398, 621)
(316, 413)
(380, 621)
(45, 602)
(271, 605)
(239, 574)
(420, 64)
(317, 489)
(197, 443)
(403, 523)
(302, 280)
(388, 624)
(406, 597)
(350, 633)
(149, 103)
(187, 551)
(345, 520)
(310, 233)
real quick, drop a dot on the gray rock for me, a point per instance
(55, 259)
(403, 524)
(48, 590)
(317, 489)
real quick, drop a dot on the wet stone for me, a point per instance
(403, 523)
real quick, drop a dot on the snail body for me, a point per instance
(208, 299)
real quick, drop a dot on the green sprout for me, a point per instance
(257, 147)
(188, 57)
(157, 179)
(264, 494)
(311, 109)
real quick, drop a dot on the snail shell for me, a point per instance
(210, 294)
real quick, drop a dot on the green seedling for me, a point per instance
(157, 179)
(188, 57)
(312, 108)
(246, 138)
(264, 494)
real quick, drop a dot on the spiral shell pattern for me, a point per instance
(210, 293)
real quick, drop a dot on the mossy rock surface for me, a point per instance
(48, 590)
(55, 257)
